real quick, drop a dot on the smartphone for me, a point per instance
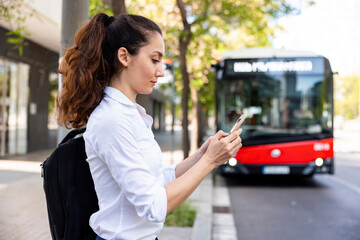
(238, 123)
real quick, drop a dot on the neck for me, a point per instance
(116, 82)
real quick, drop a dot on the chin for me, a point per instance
(147, 91)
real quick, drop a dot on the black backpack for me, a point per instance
(69, 190)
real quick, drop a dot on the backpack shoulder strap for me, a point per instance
(73, 134)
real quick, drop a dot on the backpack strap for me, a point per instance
(73, 134)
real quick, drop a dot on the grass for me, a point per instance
(182, 216)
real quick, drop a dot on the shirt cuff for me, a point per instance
(157, 211)
(169, 173)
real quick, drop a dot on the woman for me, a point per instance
(111, 62)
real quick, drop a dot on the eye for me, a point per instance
(155, 61)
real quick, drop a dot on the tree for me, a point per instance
(99, 6)
(205, 27)
(110, 7)
(11, 12)
(118, 7)
(347, 96)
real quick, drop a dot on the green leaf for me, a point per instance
(14, 40)
(10, 12)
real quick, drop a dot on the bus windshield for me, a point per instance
(281, 107)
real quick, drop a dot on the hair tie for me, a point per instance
(109, 21)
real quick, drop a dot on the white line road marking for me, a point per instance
(345, 183)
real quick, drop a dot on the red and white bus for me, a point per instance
(288, 99)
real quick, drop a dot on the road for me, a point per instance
(285, 208)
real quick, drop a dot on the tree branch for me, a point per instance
(181, 7)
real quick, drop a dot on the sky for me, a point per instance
(330, 28)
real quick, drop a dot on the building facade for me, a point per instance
(24, 96)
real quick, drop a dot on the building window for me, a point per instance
(14, 94)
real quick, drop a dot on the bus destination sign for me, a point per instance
(272, 66)
(303, 65)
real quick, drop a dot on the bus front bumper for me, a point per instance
(316, 166)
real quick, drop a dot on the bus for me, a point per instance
(288, 99)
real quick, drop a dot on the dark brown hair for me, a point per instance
(88, 65)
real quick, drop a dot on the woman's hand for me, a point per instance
(190, 172)
(204, 147)
(221, 147)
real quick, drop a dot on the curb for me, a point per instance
(223, 218)
(202, 199)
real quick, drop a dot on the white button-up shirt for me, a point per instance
(126, 166)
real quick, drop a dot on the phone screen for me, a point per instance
(238, 123)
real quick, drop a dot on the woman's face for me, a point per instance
(144, 68)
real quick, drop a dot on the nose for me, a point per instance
(160, 71)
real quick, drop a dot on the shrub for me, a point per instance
(182, 216)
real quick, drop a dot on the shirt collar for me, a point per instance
(118, 96)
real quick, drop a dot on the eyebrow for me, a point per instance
(160, 54)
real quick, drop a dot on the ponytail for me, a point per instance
(85, 73)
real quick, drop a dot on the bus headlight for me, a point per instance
(319, 162)
(232, 162)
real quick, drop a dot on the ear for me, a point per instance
(123, 56)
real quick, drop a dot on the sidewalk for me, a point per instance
(22, 202)
(23, 213)
(347, 137)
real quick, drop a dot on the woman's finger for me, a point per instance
(233, 136)
(235, 142)
(220, 134)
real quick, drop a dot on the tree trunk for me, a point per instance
(200, 122)
(118, 7)
(185, 98)
(184, 40)
(194, 123)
